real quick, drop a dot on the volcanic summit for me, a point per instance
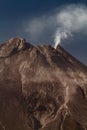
(41, 88)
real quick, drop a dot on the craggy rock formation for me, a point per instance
(41, 88)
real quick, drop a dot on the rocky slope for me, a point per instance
(41, 88)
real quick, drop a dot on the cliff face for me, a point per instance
(41, 88)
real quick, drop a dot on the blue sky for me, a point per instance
(19, 17)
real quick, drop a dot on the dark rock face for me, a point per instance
(41, 88)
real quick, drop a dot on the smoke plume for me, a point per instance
(72, 19)
(59, 36)
(65, 22)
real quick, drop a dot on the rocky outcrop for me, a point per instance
(41, 88)
(13, 46)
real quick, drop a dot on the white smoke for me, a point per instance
(59, 36)
(63, 23)
(71, 19)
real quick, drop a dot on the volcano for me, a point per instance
(41, 88)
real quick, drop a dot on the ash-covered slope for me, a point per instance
(41, 88)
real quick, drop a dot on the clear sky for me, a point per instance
(35, 20)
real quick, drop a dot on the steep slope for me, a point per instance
(41, 88)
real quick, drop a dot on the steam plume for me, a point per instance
(65, 22)
(72, 19)
(59, 36)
